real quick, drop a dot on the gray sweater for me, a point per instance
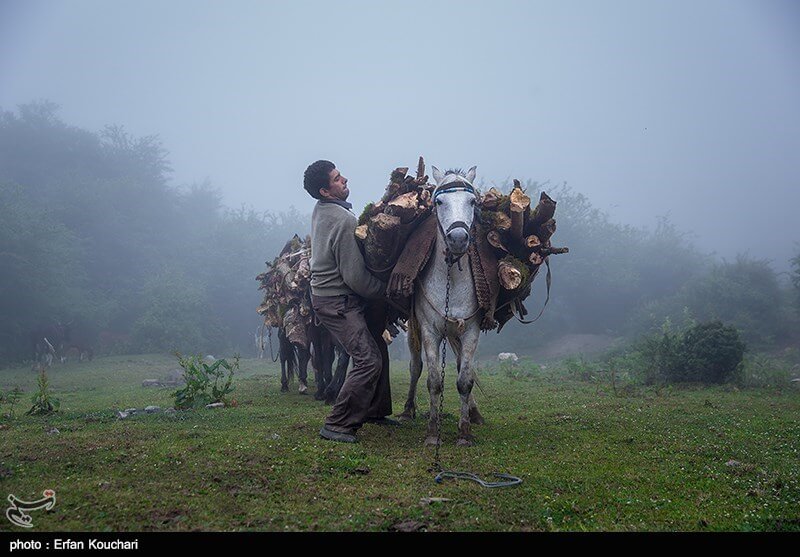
(337, 266)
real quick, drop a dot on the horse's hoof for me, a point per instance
(284, 389)
(464, 442)
(405, 416)
(430, 441)
(303, 388)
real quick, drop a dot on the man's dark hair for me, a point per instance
(317, 176)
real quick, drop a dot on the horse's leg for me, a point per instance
(303, 356)
(326, 363)
(467, 345)
(317, 338)
(430, 344)
(414, 368)
(284, 381)
(331, 356)
(342, 362)
(284, 354)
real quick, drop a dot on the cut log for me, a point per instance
(420, 168)
(519, 203)
(425, 198)
(512, 273)
(399, 174)
(543, 212)
(532, 241)
(552, 251)
(381, 240)
(496, 241)
(492, 198)
(403, 207)
(535, 259)
(361, 232)
(495, 220)
(546, 230)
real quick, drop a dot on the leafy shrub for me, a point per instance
(760, 370)
(10, 398)
(709, 353)
(704, 353)
(201, 378)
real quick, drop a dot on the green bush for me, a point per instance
(709, 353)
(702, 353)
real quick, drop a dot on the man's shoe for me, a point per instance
(383, 421)
(331, 435)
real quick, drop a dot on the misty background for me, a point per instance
(151, 154)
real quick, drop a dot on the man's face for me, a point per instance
(337, 186)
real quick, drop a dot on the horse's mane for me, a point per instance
(456, 171)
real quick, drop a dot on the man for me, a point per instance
(341, 291)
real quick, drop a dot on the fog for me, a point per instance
(683, 109)
(667, 131)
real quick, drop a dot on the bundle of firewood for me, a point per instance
(521, 238)
(519, 234)
(286, 286)
(383, 227)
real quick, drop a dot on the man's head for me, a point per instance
(323, 181)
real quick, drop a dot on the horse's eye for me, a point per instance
(438, 201)
(473, 202)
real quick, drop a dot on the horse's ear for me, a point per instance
(437, 175)
(471, 174)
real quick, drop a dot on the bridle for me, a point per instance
(459, 184)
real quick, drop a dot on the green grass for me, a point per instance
(589, 460)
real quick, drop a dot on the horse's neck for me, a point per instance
(463, 300)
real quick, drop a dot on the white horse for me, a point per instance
(434, 299)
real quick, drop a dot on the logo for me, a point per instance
(16, 512)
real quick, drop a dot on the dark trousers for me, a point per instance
(358, 326)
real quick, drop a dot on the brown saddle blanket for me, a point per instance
(416, 255)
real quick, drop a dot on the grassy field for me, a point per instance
(672, 459)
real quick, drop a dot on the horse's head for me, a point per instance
(454, 202)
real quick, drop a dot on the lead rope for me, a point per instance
(509, 480)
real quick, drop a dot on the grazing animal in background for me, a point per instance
(455, 208)
(78, 352)
(507, 357)
(48, 341)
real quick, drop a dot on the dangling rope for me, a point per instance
(437, 464)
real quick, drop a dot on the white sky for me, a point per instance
(683, 108)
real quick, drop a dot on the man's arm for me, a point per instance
(351, 263)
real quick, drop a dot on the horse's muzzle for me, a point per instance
(457, 240)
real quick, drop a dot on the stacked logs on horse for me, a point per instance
(286, 286)
(383, 227)
(520, 235)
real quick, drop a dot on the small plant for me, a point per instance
(43, 402)
(201, 378)
(760, 370)
(10, 398)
